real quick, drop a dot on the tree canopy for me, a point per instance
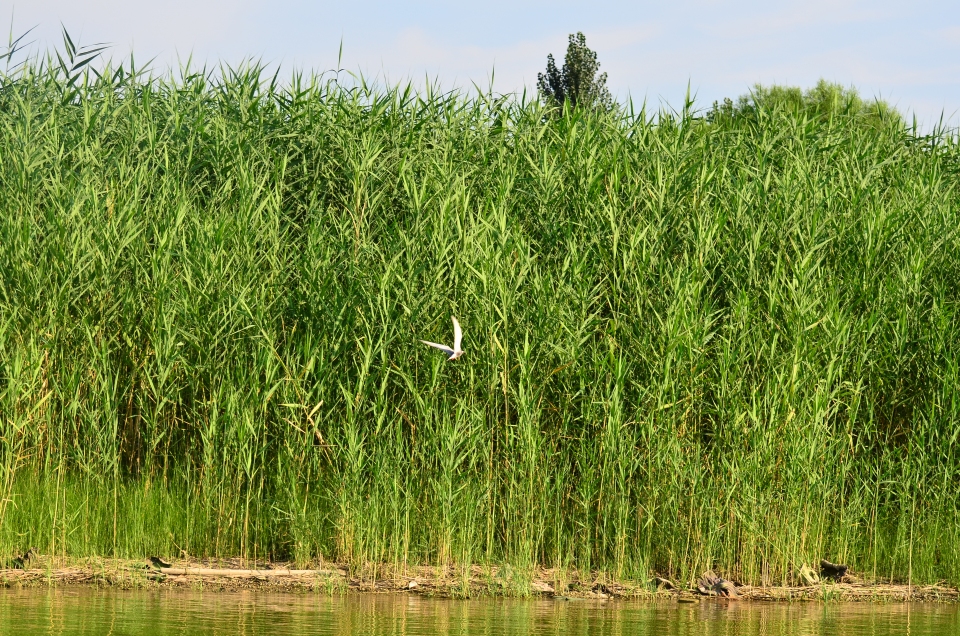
(577, 83)
(823, 101)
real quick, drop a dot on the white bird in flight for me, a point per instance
(456, 352)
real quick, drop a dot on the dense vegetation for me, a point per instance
(690, 343)
(823, 101)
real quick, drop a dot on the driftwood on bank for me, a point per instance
(248, 574)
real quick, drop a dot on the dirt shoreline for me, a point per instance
(477, 581)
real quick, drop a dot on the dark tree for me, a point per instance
(577, 83)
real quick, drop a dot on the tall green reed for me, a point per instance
(689, 344)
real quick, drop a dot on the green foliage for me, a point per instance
(823, 101)
(578, 82)
(687, 346)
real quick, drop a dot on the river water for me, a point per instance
(146, 613)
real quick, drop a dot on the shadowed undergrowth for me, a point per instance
(689, 344)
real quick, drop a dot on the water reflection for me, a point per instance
(142, 613)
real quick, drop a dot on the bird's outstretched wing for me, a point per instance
(441, 347)
(457, 334)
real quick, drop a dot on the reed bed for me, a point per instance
(690, 344)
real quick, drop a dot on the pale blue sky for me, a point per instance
(906, 52)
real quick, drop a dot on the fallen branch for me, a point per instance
(247, 574)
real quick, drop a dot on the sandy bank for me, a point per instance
(476, 581)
